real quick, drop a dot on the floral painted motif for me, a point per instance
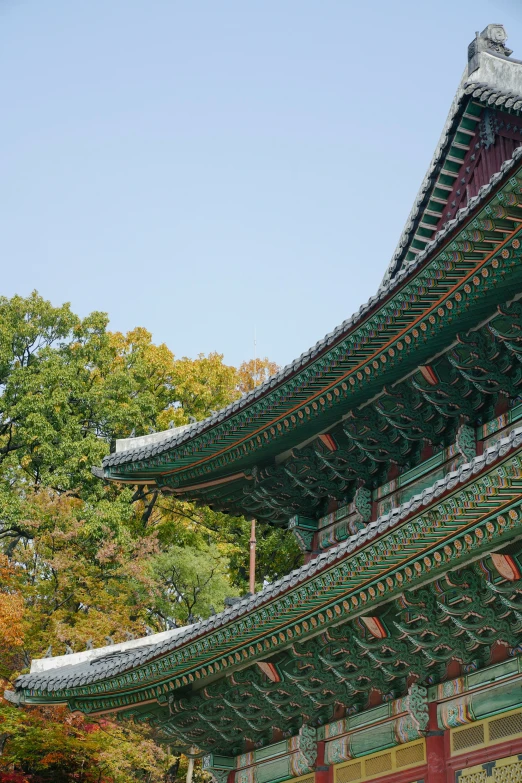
(334, 729)
(245, 760)
(406, 729)
(245, 775)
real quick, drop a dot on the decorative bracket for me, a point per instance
(418, 706)
(466, 442)
(363, 503)
(303, 529)
(218, 766)
(306, 743)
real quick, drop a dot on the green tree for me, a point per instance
(190, 582)
(81, 560)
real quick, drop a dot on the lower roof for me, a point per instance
(55, 683)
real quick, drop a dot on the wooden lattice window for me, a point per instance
(468, 737)
(409, 754)
(351, 773)
(486, 732)
(378, 764)
(506, 726)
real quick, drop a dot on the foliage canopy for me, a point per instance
(83, 561)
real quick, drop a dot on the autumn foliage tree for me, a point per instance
(51, 745)
(11, 615)
(254, 372)
(82, 561)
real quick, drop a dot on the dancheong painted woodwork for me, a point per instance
(392, 450)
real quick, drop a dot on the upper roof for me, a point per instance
(458, 187)
(489, 77)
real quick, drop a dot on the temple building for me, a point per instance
(392, 449)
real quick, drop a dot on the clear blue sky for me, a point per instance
(204, 167)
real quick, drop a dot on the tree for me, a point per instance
(68, 387)
(254, 372)
(190, 582)
(82, 572)
(51, 745)
(81, 560)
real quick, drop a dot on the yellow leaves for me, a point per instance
(254, 372)
(227, 548)
(172, 417)
(204, 384)
(25, 462)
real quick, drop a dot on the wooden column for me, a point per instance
(252, 580)
(435, 749)
(322, 770)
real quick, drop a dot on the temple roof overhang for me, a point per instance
(346, 620)
(251, 457)
(494, 80)
(473, 268)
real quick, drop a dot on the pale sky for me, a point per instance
(204, 168)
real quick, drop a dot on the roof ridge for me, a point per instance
(490, 43)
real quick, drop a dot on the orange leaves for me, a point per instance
(52, 759)
(11, 615)
(7, 573)
(254, 372)
(11, 607)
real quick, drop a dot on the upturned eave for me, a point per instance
(344, 370)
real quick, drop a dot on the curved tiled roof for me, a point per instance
(408, 268)
(480, 91)
(114, 663)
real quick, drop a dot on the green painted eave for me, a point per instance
(451, 291)
(478, 515)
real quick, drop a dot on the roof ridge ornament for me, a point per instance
(492, 40)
